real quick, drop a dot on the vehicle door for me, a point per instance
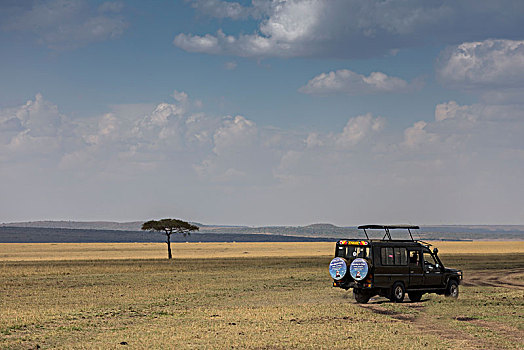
(381, 270)
(416, 273)
(432, 271)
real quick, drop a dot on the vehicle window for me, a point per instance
(390, 258)
(357, 252)
(429, 262)
(393, 256)
(340, 252)
(400, 256)
(386, 256)
(413, 257)
(352, 252)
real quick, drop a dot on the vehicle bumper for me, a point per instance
(352, 284)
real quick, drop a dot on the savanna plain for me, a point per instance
(244, 295)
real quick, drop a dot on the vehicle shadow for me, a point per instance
(381, 300)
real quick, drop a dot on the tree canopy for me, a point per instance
(169, 226)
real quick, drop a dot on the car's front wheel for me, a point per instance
(452, 290)
(398, 292)
(360, 296)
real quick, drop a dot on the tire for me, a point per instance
(398, 292)
(360, 296)
(452, 290)
(338, 269)
(415, 296)
(359, 269)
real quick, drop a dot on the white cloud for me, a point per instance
(222, 9)
(239, 153)
(313, 140)
(467, 130)
(346, 81)
(231, 65)
(452, 109)
(358, 128)
(464, 165)
(416, 135)
(235, 134)
(111, 6)
(66, 24)
(34, 129)
(342, 28)
(40, 117)
(489, 64)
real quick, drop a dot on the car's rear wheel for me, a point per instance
(452, 290)
(415, 296)
(398, 292)
(360, 296)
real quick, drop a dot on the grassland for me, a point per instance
(91, 251)
(272, 297)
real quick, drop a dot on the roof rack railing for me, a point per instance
(425, 243)
(386, 228)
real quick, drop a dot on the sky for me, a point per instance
(263, 112)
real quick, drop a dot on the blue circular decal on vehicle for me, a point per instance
(337, 268)
(359, 269)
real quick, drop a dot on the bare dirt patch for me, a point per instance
(427, 324)
(495, 278)
(502, 329)
(443, 327)
(393, 314)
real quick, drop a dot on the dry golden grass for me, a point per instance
(91, 251)
(242, 303)
(480, 247)
(243, 296)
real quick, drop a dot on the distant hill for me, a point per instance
(84, 225)
(317, 230)
(94, 225)
(321, 227)
(65, 235)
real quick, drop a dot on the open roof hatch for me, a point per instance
(386, 228)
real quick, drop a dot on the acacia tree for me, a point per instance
(169, 226)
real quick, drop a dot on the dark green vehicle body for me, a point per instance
(396, 267)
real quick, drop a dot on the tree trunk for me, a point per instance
(169, 256)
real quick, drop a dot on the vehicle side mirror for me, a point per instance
(435, 250)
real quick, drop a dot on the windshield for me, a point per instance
(351, 252)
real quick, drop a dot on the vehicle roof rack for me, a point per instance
(386, 228)
(391, 227)
(425, 243)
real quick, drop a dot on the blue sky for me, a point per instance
(263, 112)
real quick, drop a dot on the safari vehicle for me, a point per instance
(391, 268)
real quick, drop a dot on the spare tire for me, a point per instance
(338, 268)
(359, 269)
